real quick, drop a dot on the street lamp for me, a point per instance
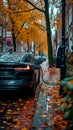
(63, 58)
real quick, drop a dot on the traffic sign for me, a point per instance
(9, 43)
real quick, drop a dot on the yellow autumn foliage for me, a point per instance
(18, 14)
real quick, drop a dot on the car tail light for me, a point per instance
(25, 68)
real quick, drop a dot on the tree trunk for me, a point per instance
(48, 29)
(13, 37)
(14, 42)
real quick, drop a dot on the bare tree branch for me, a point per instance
(20, 29)
(35, 6)
(23, 11)
(40, 26)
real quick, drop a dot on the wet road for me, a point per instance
(16, 112)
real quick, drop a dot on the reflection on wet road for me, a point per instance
(16, 112)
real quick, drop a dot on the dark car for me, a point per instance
(17, 72)
(29, 57)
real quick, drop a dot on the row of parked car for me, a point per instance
(19, 72)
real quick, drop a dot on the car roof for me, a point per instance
(10, 56)
(14, 56)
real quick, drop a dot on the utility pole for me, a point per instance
(63, 58)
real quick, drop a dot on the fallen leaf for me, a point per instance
(24, 129)
(45, 125)
(44, 116)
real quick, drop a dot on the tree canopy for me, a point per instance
(17, 14)
(34, 14)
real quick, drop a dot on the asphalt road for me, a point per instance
(17, 111)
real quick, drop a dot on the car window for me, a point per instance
(24, 59)
(9, 57)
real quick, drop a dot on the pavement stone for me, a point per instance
(38, 120)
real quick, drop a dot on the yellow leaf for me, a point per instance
(24, 129)
(16, 126)
(69, 105)
(18, 109)
(44, 116)
(20, 100)
(1, 111)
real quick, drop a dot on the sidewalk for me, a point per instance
(41, 120)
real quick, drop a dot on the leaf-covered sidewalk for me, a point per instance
(48, 115)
